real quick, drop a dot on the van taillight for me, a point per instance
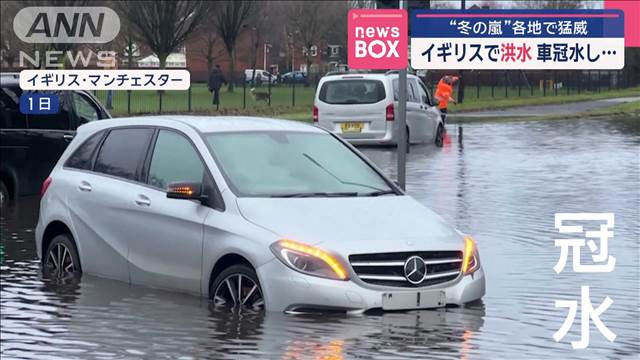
(45, 186)
(315, 114)
(389, 112)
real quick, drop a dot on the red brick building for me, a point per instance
(278, 58)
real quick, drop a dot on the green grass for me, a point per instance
(471, 103)
(143, 102)
(147, 102)
(624, 110)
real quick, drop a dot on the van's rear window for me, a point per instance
(352, 92)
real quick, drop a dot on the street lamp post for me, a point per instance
(402, 123)
(266, 48)
(293, 49)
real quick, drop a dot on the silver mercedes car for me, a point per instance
(249, 212)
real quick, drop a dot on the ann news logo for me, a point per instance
(66, 24)
(378, 39)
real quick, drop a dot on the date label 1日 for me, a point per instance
(39, 103)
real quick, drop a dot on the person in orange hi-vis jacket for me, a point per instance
(444, 94)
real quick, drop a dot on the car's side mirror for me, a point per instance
(186, 191)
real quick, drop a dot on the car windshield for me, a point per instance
(293, 164)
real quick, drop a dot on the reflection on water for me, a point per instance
(503, 186)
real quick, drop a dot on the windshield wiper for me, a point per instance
(316, 194)
(316, 163)
(378, 193)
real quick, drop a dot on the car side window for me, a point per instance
(174, 159)
(59, 121)
(83, 156)
(10, 115)
(122, 152)
(425, 97)
(85, 109)
(412, 92)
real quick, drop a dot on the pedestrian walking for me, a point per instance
(216, 80)
(444, 94)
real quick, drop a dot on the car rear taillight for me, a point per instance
(389, 113)
(45, 186)
(315, 114)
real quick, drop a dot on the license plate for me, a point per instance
(413, 300)
(352, 127)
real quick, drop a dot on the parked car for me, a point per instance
(249, 212)
(362, 108)
(260, 77)
(294, 77)
(30, 145)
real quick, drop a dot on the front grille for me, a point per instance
(387, 269)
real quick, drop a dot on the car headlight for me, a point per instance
(470, 260)
(309, 260)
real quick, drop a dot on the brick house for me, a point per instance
(279, 56)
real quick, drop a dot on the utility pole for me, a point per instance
(463, 6)
(265, 49)
(401, 128)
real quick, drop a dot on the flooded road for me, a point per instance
(503, 185)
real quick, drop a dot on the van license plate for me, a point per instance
(352, 127)
(413, 300)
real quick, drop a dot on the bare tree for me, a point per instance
(209, 35)
(259, 27)
(164, 25)
(9, 43)
(210, 40)
(362, 4)
(490, 4)
(444, 4)
(308, 21)
(231, 18)
(126, 44)
(12, 46)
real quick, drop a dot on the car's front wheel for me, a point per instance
(4, 193)
(439, 136)
(61, 260)
(237, 286)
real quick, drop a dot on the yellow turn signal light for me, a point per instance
(470, 258)
(184, 190)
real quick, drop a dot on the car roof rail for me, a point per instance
(394, 72)
(354, 72)
(15, 75)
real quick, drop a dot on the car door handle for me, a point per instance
(84, 186)
(142, 200)
(67, 137)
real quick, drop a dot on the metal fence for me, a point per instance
(511, 83)
(258, 97)
(250, 95)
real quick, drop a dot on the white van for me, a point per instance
(261, 76)
(362, 109)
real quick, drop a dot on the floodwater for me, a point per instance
(502, 184)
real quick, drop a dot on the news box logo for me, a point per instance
(378, 39)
